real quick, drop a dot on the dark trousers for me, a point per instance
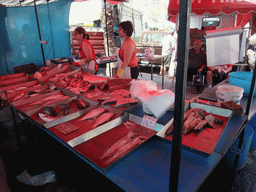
(135, 72)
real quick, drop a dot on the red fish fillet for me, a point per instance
(112, 100)
(95, 93)
(105, 117)
(121, 92)
(117, 145)
(93, 114)
(126, 102)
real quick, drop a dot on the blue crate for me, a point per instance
(229, 157)
(252, 123)
(242, 79)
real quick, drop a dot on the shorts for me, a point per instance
(166, 60)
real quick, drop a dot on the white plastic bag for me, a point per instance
(157, 102)
(37, 180)
(139, 86)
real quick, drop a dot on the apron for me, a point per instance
(90, 65)
(127, 71)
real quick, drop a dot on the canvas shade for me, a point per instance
(245, 9)
(18, 3)
(214, 7)
(114, 2)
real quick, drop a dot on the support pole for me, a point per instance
(106, 26)
(50, 22)
(180, 91)
(39, 32)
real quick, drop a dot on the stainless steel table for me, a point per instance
(151, 62)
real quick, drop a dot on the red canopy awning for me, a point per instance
(214, 7)
(114, 2)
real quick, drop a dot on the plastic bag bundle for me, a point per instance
(37, 180)
(157, 102)
(138, 87)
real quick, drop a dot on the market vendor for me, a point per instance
(86, 51)
(217, 73)
(127, 51)
(196, 64)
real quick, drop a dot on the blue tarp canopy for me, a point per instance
(19, 34)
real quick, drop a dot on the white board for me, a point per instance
(222, 46)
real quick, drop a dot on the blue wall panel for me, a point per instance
(19, 35)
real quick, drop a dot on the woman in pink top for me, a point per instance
(128, 50)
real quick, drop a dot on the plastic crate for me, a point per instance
(242, 79)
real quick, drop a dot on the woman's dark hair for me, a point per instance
(82, 30)
(127, 26)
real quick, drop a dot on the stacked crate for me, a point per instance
(96, 39)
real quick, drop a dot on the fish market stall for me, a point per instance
(120, 132)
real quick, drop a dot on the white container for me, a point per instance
(229, 93)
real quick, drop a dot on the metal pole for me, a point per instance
(50, 22)
(180, 93)
(106, 25)
(40, 38)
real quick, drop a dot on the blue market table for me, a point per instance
(147, 168)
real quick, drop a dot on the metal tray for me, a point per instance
(205, 140)
(83, 126)
(95, 143)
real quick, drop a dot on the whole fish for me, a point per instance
(125, 149)
(187, 122)
(169, 130)
(93, 114)
(51, 97)
(201, 124)
(19, 96)
(47, 118)
(48, 111)
(56, 100)
(105, 117)
(81, 104)
(20, 88)
(124, 140)
(192, 125)
(193, 111)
